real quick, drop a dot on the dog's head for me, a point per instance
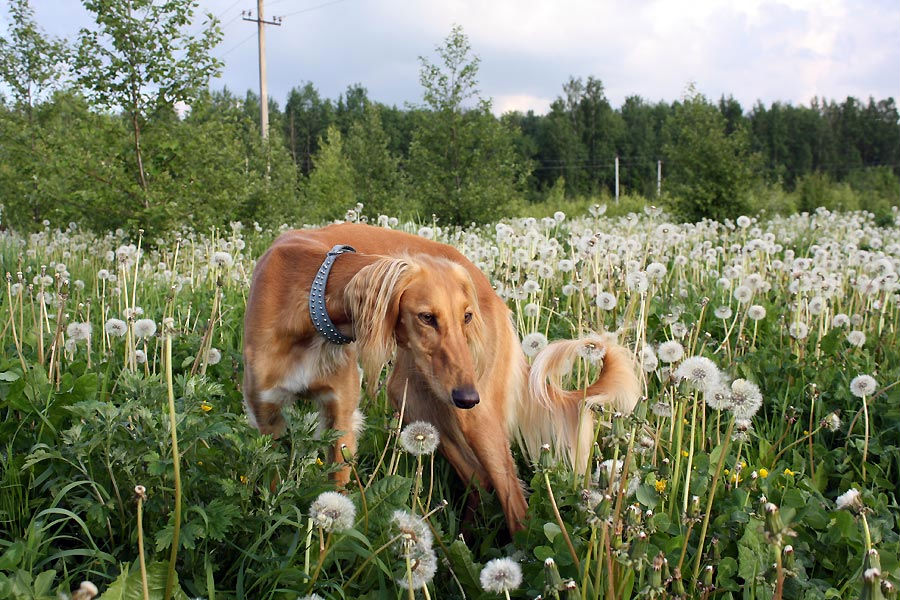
(429, 307)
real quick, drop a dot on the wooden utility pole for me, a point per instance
(617, 178)
(261, 35)
(658, 178)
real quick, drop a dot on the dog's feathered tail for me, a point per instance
(549, 414)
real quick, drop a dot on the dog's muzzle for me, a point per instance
(465, 397)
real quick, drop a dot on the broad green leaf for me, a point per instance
(128, 586)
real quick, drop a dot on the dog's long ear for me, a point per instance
(373, 299)
(476, 335)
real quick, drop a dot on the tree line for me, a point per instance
(91, 135)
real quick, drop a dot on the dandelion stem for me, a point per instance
(322, 554)
(141, 558)
(712, 495)
(176, 463)
(559, 521)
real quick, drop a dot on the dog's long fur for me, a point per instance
(386, 296)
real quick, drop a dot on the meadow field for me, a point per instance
(763, 461)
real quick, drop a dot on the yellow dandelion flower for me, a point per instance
(743, 464)
(763, 473)
(789, 472)
(727, 471)
(660, 485)
(205, 406)
(319, 462)
(684, 453)
(244, 479)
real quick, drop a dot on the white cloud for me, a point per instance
(788, 50)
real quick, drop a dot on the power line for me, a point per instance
(222, 14)
(312, 8)
(238, 45)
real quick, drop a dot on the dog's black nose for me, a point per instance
(465, 397)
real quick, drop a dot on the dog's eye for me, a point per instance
(467, 317)
(428, 319)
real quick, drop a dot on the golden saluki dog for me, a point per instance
(456, 356)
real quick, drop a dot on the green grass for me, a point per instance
(83, 423)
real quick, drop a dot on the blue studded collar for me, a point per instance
(317, 310)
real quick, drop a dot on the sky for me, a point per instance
(768, 50)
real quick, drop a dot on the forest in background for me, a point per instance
(91, 135)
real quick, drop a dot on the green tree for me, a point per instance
(710, 173)
(330, 189)
(32, 66)
(307, 117)
(463, 163)
(140, 59)
(376, 176)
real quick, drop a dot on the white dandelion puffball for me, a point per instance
(699, 371)
(756, 312)
(593, 353)
(426, 232)
(743, 221)
(501, 575)
(856, 338)
(723, 312)
(332, 512)
(798, 330)
(840, 320)
(718, 397)
(649, 361)
(423, 566)
(116, 327)
(848, 499)
(144, 328)
(606, 301)
(565, 265)
(863, 385)
(637, 282)
(419, 438)
(743, 294)
(832, 422)
(531, 286)
(534, 343)
(746, 399)
(140, 357)
(670, 351)
(213, 356)
(532, 309)
(414, 529)
(559, 216)
(222, 259)
(79, 332)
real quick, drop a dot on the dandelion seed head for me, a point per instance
(419, 438)
(534, 343)
(798, 330)
(501, 575)
(723, 312)
(333, 512)
(649, 362)
(115, 327)
(213, 356)
(414, 529)
(222, 259)
(746, 399)
(144, 328)
(863, 385)
(532, 309)
(698, 371)
(756, 312)
(606, 300)
(856, 338)
(670, 351)
(832, 422)
(79, 332)
(423, 566)
(849, 499)
(140, 357)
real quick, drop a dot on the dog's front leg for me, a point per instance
(337, 406)
(487, 437)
